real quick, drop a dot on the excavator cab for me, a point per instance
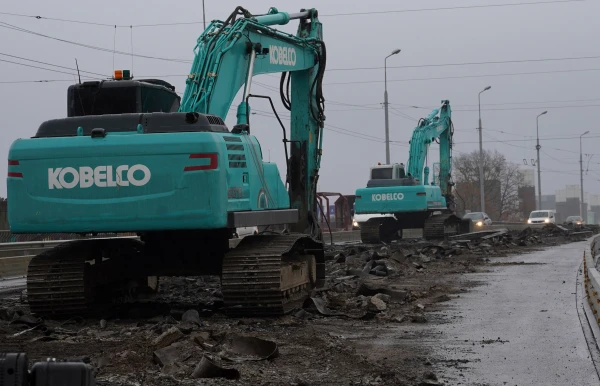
(121, 95)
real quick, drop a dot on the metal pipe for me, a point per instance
(581, 176)
(481, 176)
(249, 75)
(385, 105)
(538, 147)
(300, 15)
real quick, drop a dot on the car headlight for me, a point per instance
(528, 221)
(578, 222)
(479, 223)
(546, 220)
(355, 223)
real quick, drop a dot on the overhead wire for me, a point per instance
(464, 76)
(39, 17)
(19, 29)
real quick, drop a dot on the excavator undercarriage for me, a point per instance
(387, 229)
(265, 275)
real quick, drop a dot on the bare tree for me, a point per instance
(501, 183)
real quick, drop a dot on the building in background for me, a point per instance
(567, 203)
(526, 193)
(548, 201)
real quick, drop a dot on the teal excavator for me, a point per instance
(132, 157)
(404, 198)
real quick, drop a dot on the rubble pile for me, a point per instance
(182, 336)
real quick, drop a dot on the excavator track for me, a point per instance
(380, 230)
(56, 282)
(66, 280)
(441, 226)
(268, 275)
(369, 232)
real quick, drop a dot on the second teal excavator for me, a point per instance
(404, 197)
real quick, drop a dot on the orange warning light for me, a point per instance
(118, 74)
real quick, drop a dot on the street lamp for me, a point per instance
(581, 175)
(538, 147)
(385, 105)
(481, 180)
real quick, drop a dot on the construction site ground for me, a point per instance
(383, 318)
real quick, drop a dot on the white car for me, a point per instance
(245, 231)
(542, 217)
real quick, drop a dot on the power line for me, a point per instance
(38, 67)
(449, 8)
(465, 76)
(50, 64)
(114, 25)
(466, 63)
(501, 104)
(19, 29)
(35, 81)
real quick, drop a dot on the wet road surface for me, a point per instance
(521, 327)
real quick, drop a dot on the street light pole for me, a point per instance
(581, 175)
(385, 105)
(481, 177)
(538, 147)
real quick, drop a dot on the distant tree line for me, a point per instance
(502, 180)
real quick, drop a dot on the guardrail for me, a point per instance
(591, 286)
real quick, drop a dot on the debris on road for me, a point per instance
(372, 294)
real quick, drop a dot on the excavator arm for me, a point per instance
(438, 124)
(229, 53)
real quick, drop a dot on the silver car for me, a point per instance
(479, 219)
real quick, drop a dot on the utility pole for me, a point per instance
(581, 175)
(481, 177)
(538, 147)
(385, 105)
(203, 16)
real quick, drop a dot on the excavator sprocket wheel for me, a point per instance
(269, 275)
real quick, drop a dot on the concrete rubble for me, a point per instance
(181, 335)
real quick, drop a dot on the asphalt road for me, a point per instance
(521, 327)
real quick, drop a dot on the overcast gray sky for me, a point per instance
(522, 37)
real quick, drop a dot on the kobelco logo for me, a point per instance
(100, 176)
(387, 197)
(282, 55)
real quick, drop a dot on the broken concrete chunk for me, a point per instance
(384, 297)
(191, 316)
(340, 258)
(168, 337)
(376, 305)
(370, 289)
(200, 337)
(171, 354)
